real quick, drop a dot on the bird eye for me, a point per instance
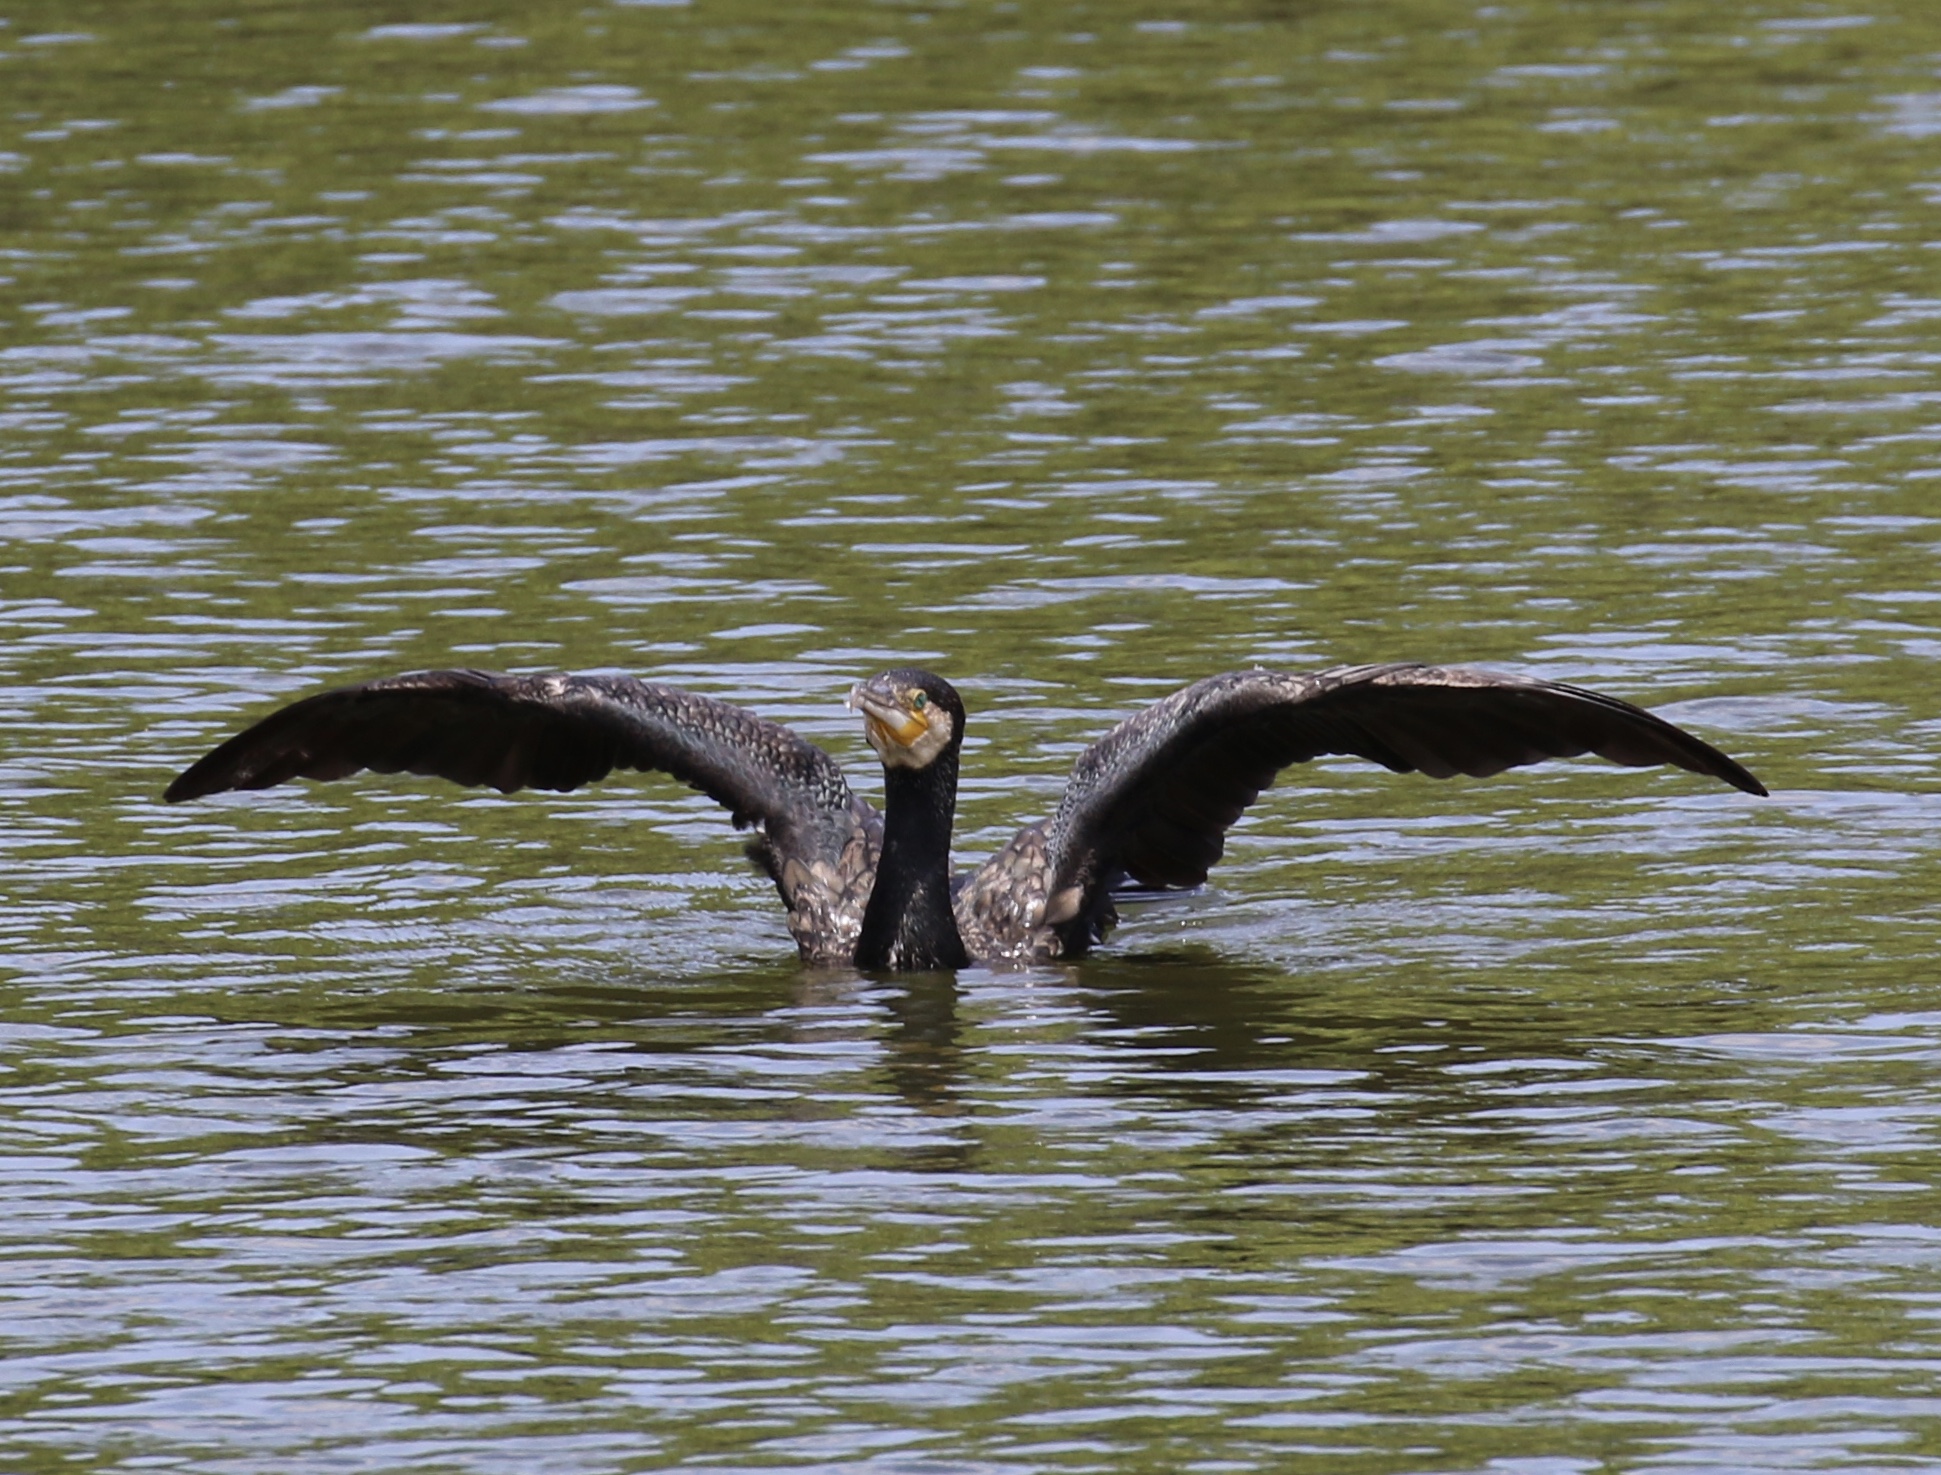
(919, 701)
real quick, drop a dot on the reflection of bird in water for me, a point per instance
(1150, 801)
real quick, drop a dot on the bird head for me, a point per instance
(910, 717)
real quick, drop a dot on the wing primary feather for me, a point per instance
(1154, 797)
(561, 732)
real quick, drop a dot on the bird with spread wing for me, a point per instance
(1150, 802)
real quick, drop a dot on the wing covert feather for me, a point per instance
(1153, 798)
(550, 732)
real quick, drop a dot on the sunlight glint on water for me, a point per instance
(1578, 1120)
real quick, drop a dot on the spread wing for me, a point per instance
(820, 841)
(1153, 798)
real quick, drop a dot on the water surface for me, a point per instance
(1576, 1120)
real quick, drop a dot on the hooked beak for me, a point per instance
(885, 719)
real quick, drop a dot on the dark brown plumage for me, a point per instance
(1151, 800)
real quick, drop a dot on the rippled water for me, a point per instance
(1578, 1120)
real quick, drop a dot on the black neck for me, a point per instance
(908, 922)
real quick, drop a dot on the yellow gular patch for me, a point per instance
(903, 729)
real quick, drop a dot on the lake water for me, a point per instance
(1578, 1120)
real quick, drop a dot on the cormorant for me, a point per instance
(1150, 801)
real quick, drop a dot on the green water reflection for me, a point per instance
(1582, 1120)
